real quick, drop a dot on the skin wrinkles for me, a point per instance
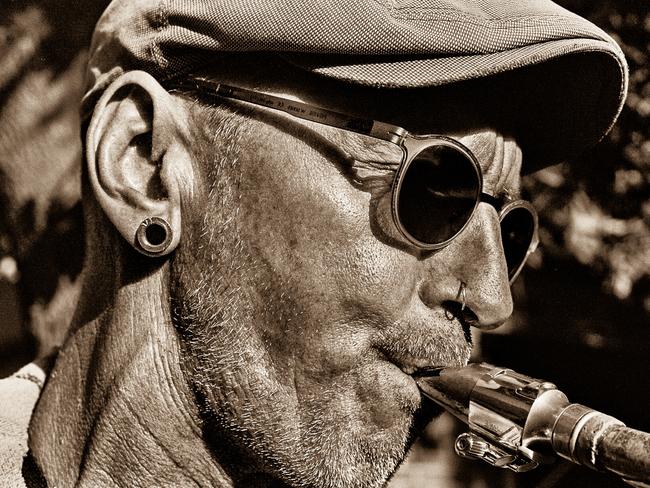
(312, 403)
(372, 163)
(446, 345)
(285, 315)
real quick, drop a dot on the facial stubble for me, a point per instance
(219, 292)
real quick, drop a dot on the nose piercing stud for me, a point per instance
(462, 296)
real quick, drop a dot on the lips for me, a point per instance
(418, 345)
(426, 369)
(419, 368)
(422, 366)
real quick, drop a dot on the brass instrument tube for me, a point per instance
(626, 452)
(605, 444)
(575, 432)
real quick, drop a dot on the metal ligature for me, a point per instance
(518, 422)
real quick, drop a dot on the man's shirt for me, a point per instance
(18, 395)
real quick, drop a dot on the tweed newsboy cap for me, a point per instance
(389, 44)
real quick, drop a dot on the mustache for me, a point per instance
(440, 343)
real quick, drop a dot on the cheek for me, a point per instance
(317, 231)
(316, 288)
(333, 286)
(375, 277)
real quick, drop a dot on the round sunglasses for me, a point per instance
(438, 184)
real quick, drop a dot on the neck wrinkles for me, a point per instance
(116, 409)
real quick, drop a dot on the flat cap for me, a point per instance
(389, 44)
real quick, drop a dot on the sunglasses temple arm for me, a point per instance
(368, 127)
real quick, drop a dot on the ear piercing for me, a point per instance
(154, 235)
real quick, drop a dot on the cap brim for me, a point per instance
(562, 96)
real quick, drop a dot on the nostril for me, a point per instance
(467, 318)
(470, 318)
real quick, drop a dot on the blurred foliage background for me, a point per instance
(583, 304)
(597, 212)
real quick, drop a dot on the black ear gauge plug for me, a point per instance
(154, 235)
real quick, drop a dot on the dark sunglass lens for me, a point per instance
(517, 233)
(438, 193)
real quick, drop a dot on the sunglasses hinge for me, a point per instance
(387, 132)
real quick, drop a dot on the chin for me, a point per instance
(370, 461)
(367, 435)
(367, 462)
(353, 437)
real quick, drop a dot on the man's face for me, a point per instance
(305, 312)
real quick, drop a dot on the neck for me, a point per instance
(116, 409)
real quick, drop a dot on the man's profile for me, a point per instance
(290, 210)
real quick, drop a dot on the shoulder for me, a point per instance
(18, 395)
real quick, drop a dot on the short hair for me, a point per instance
(215, 129)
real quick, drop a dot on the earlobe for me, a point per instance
(138, 162)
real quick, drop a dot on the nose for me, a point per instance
(476, 259)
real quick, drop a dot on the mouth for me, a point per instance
(418, 366)
(418, 371)
(425, 409)
(427, 363)
(428, 372)
(419, 350)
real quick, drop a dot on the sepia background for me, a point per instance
(582, 316)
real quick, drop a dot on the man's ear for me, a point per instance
(138, 161)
